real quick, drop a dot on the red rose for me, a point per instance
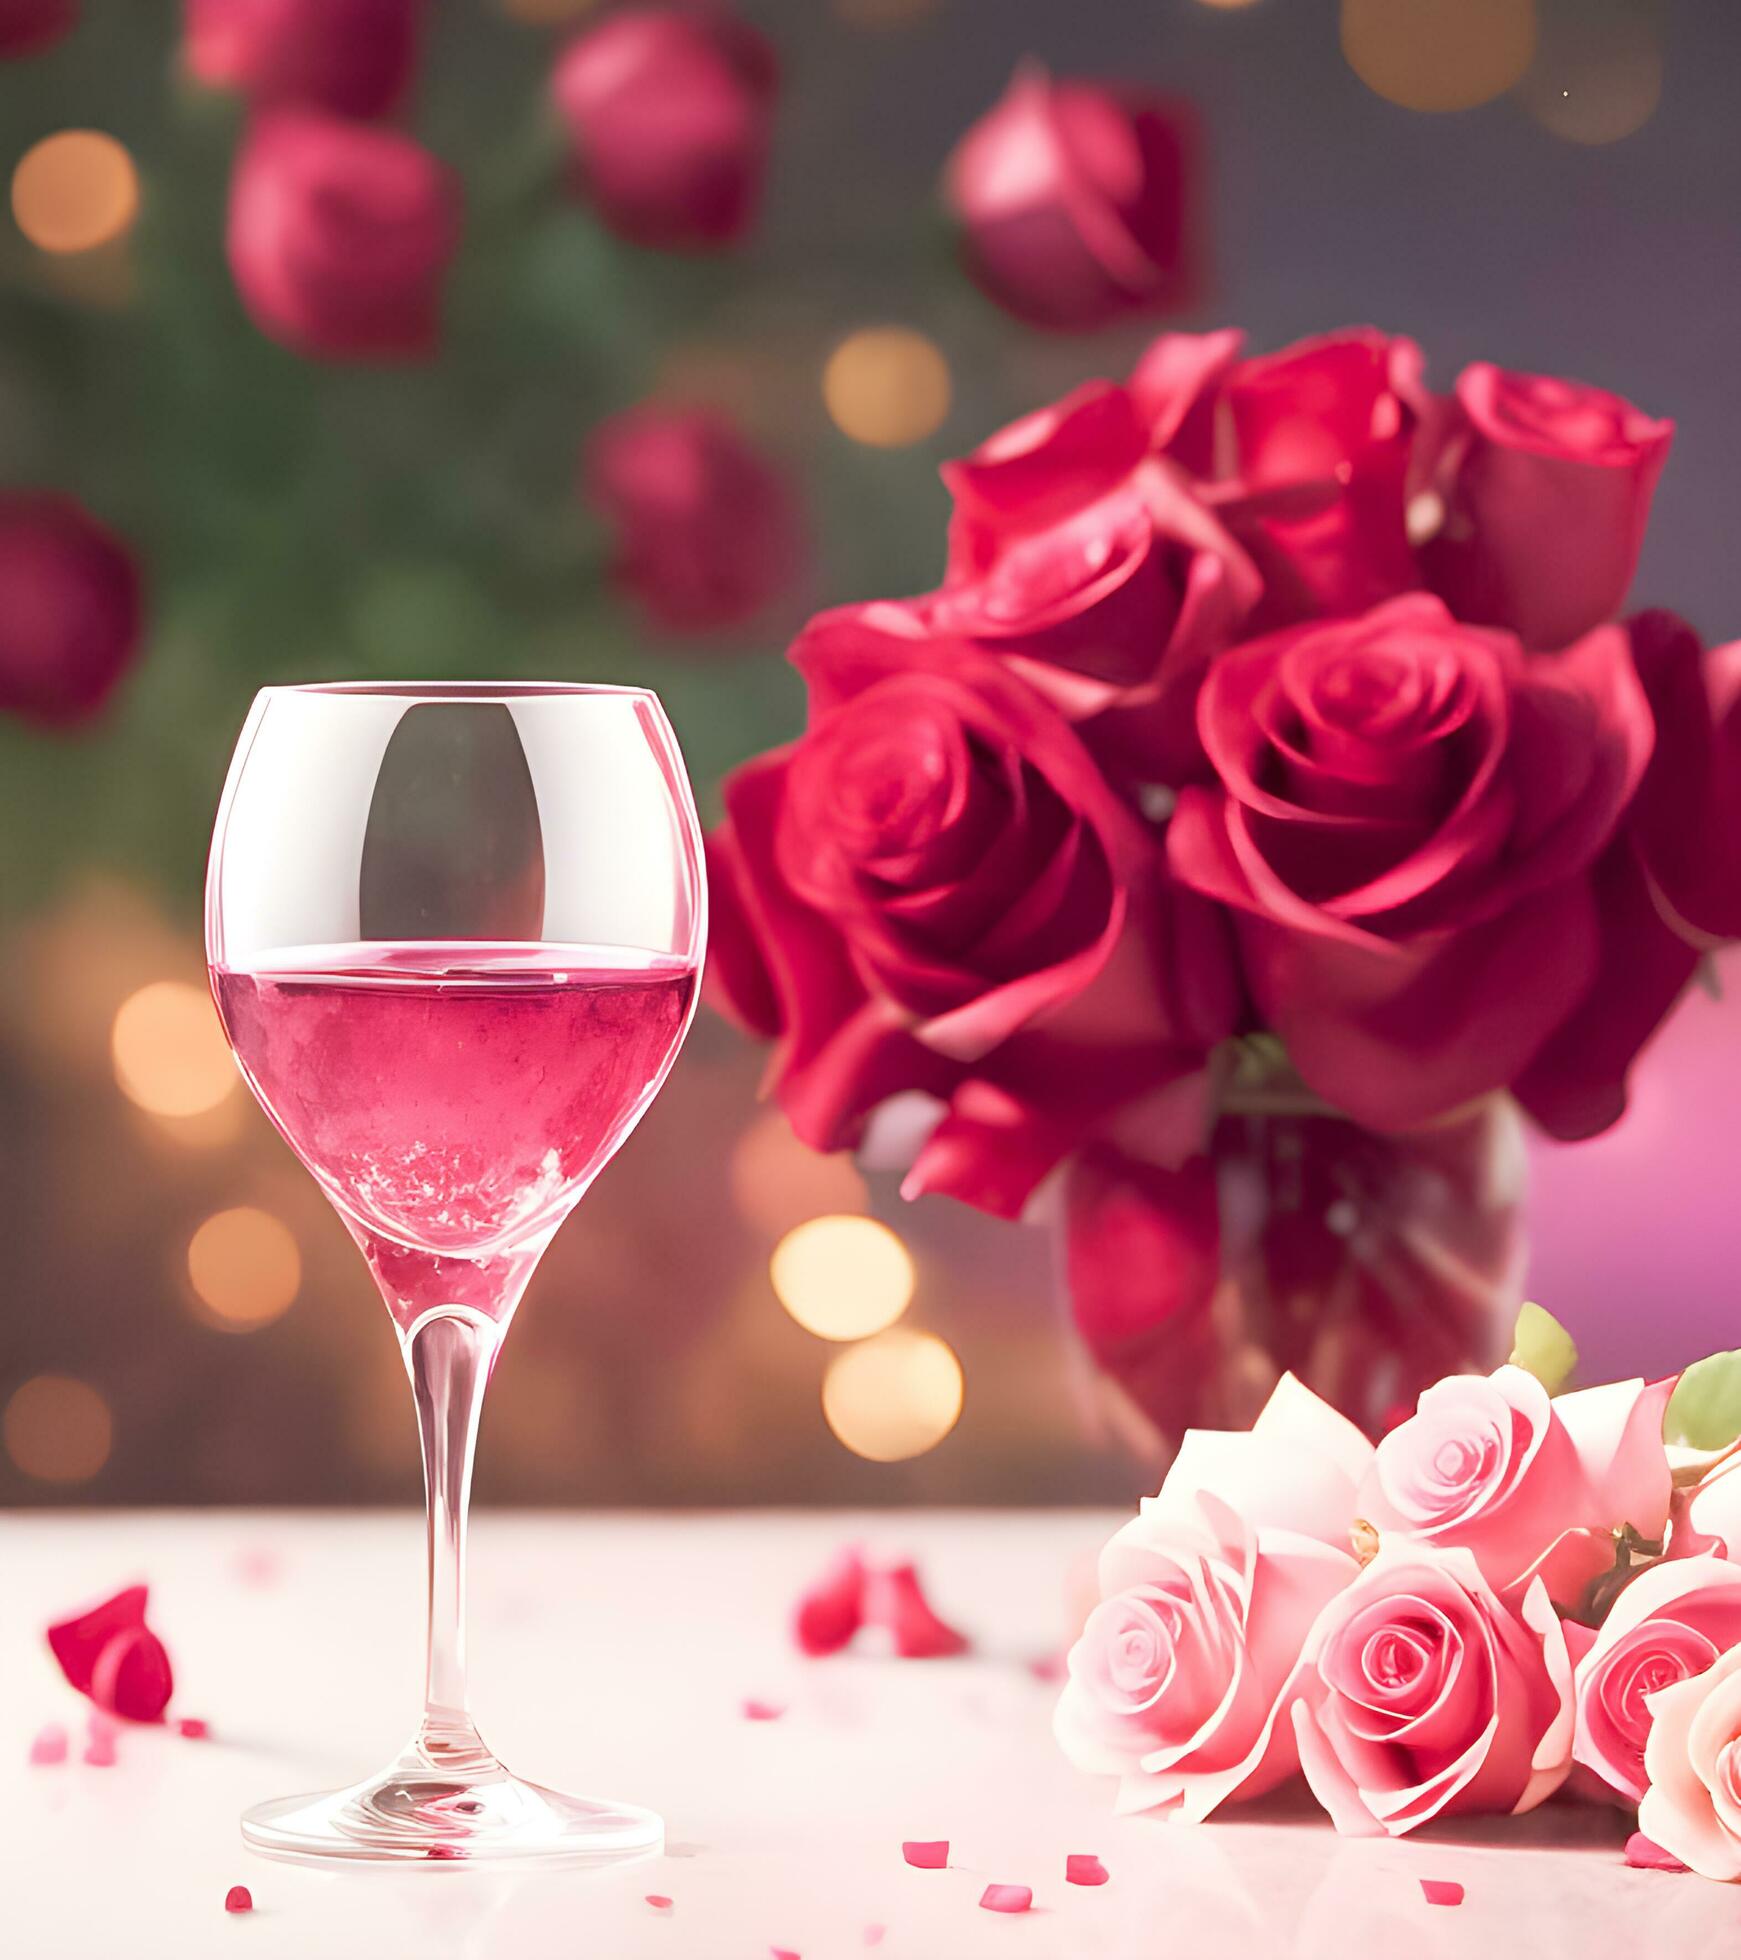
(1407, 813)
(70, 608)
(1540, 491)
(354, 57)
(946, 897)
(30, 27)
(339, 236)
(707, 532)
(1087, 561)
(669, 113)
(1077, 202)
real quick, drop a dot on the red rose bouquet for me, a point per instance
(1267, 808)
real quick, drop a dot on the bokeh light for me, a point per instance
(57, 1429)
(893, 1397)
(778, 1182)
(169, 1051)
(1439, 55)
(1227, 6)
(842, 1278)
(1597, 74)
(886, 386)
(244, 1268)
(75, 191)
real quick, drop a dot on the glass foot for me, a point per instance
(423, 1812)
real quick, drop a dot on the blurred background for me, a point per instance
(270, 483)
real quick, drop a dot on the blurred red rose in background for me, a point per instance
(669, 113)
(71, 608)
(1077, 202)
(340, 236)
(354, 57)
(707, 530)
(1407, 813)
(934, 890)
(1539, 494)
(29, 26)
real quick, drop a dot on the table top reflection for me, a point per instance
(615, 1654)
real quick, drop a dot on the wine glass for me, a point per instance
(454, 933)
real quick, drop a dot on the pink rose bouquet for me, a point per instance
(1510, 1596)
(1269, 809)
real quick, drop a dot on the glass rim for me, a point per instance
(462, 690)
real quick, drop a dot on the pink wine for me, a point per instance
(455, 1099)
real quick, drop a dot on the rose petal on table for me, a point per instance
(762, 1711)
(49, 1745)
(99, 1750)
(831, 1611)
(195, 1727)
(1441, 1892)
(1649, 1856)
(132, 1676)
(1007, 1898)
(926, 1854)
(784, 1953)
(873, 1935)
(238, 1899)
(257, 1565)
(1048, 1668)
(659, 1902)
(895, 1599)
(1083, 1868)
(78, 1641)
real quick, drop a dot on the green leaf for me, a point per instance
(1704, 1412)
(1543, 1346)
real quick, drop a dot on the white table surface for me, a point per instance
(611, 1655)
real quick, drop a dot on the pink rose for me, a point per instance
(71, 610)
(1077, 203)
(340, 236)
(1693, 1759)
(1206, 1598)
(1525, 1484)
(1542, 490)
(1085, 559)
(354, 57)
(1669, 1623)
(1406, 814)
(669, 111)
(1422, 1694)
(707, 530)
(30, 27)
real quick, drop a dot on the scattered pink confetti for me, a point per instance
(1441, 1892)
(873, 1935)
(49, 1745)
(1650, 1856)
(926, 1854)
(762, 1711)
(110, 1654)
(1007, 1898)
(194, 1727)
(659, 1902)
(895, 1599)
(1083, 1868)
(238, 1899)
(831, 1611)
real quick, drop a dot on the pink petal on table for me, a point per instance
(49, 1744)
(659, 1902)
(895, 1599)
(1441, 1892)
(194, 1727)
(1083, 1868)
(784, 1953)
(132, 1676)
(238, 1899)
(257, 1565)
(829, 1613)
(76, 1642)
(926, 1854)
(762, 1711)
(873, 1935)
(1048, 1668)
(1007, 1898)
(1650, 1856)
(100, 1751)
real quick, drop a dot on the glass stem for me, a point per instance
(448, 1353)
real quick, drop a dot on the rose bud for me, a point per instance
(707, 531)
(339, 236)
(30, 27)
(111, 1655)
(668, 112)
(1076, 202)
(1538, 500)
(354, 57)
(71, 610)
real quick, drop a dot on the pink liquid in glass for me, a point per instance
(454, 1100)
